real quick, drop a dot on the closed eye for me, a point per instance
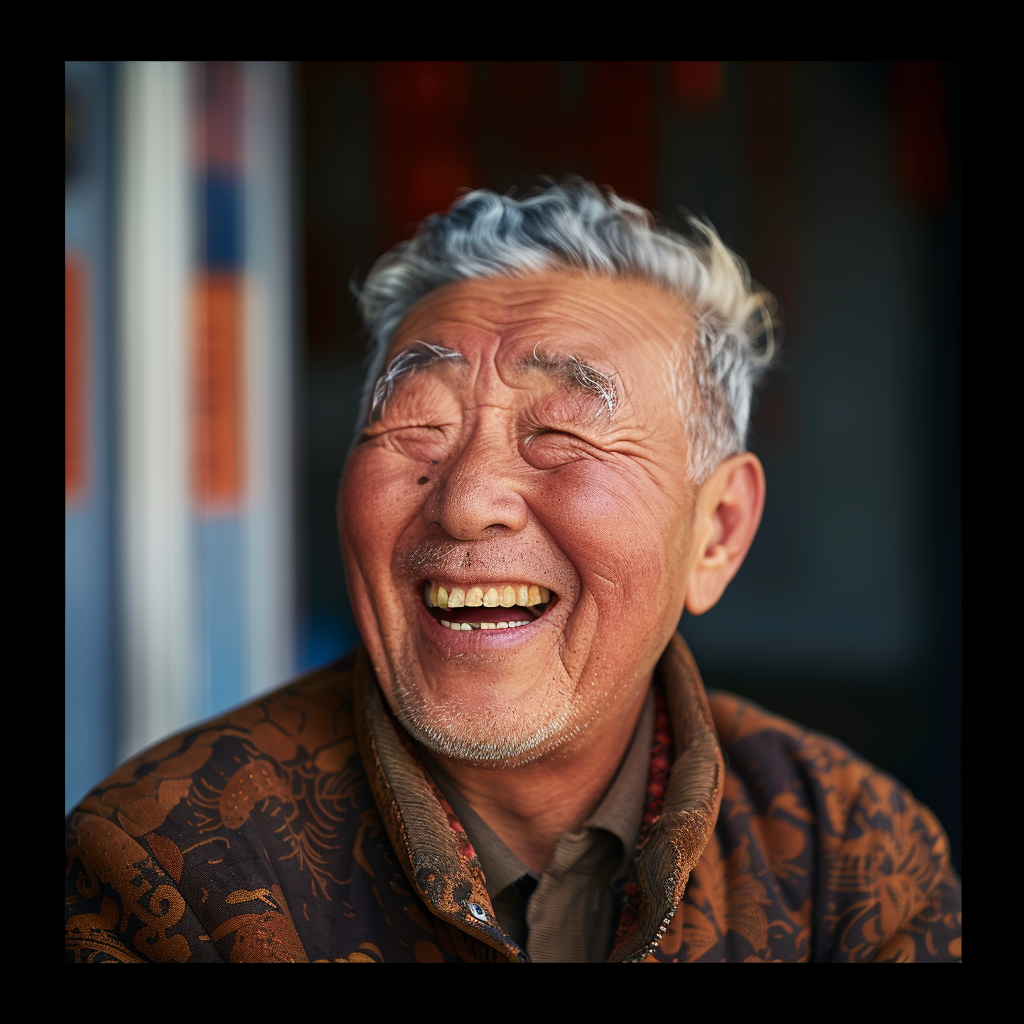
(413, 441)
(547, 449)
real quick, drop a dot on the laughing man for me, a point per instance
(520, 763)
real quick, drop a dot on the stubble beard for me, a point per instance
(485, 737)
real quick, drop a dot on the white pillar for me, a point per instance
(158, 648)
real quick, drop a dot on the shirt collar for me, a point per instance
(619, 812)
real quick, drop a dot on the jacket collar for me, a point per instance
(442, 866)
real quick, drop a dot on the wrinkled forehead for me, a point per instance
(618, 326)
(509, 309)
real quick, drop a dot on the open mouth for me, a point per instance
(487, 605)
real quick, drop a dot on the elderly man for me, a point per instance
(521, 763)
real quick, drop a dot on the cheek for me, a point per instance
(621, 530)
(378, 495)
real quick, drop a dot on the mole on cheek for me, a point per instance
(423, 480)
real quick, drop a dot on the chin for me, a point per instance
(496, 734)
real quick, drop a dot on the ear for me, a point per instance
(728, 512)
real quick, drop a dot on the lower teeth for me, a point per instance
(457, 626)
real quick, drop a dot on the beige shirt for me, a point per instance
(569, 914)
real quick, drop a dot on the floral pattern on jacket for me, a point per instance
(276, 833)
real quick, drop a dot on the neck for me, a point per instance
(530, 807)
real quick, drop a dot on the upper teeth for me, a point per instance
(502, 596)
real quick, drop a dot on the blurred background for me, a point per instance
(214, 216)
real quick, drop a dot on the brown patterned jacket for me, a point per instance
(302, 827)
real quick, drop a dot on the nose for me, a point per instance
(477, 493)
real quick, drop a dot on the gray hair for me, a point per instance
(577, 226)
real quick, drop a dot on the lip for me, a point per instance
(461, 641)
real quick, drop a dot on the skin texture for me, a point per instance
(531, 481)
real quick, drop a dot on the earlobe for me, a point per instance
(729, 507)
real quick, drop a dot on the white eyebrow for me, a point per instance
(418, 355)
(577, 375)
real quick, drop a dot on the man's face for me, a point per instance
(499, 473)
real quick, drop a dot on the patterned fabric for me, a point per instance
(816, 856)
(657, 784)
(301, 827)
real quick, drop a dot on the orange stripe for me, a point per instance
(218, 392)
